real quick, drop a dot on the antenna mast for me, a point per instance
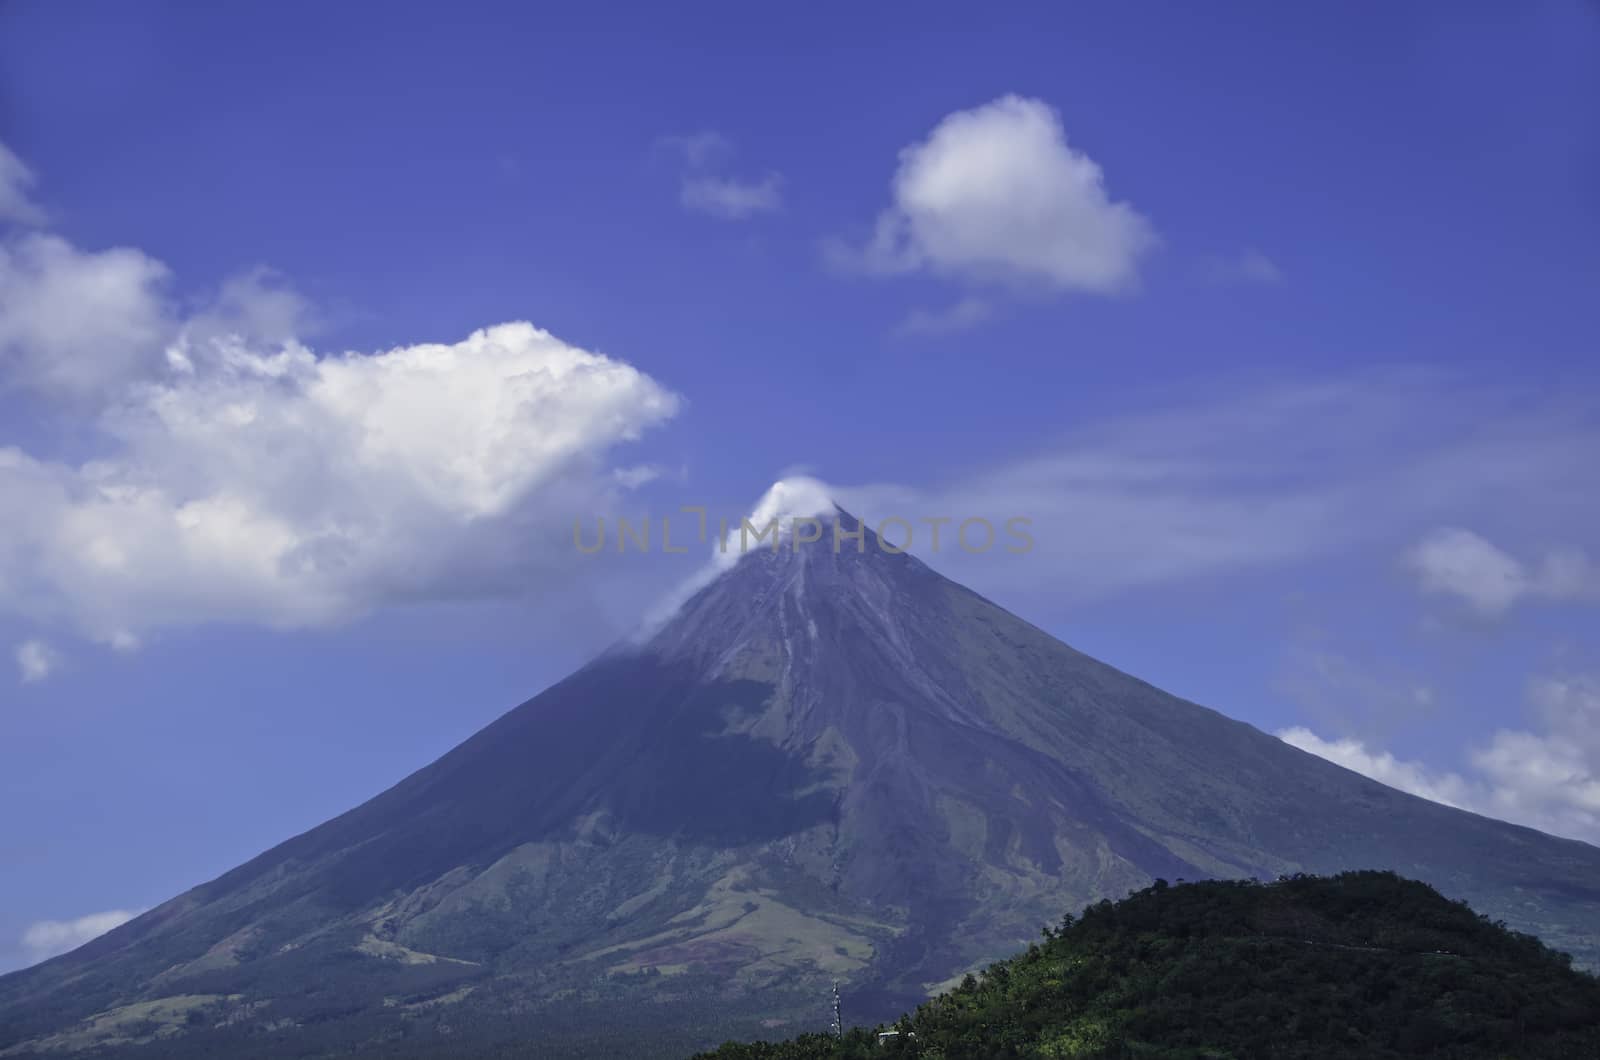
(838, 1019)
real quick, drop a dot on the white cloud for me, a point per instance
(706, 188)
(732, 198)
(36, 660)
(631, 478)
(1547, 779)
(236, 475)
(1460, 563)
(1551, 778)
(75, 322)
(47, 938)
(16, 183)
(996, 194)
(287, 489)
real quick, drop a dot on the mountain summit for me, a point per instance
(831, 763)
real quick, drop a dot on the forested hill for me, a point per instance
(1362, 964)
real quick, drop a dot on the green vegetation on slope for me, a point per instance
(1361, 964)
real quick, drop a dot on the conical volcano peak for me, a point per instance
(830, 762)
(794, 518)
(795, 567)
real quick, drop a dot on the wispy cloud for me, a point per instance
(1263, 479)
(36, 661)
(732, 198)
(1457, 562)
(1248, 267)
(706, 187)
(700, 150)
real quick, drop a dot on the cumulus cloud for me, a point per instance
(79, 323)
(236, 474)
(1547, 777)
(1457, 562)
(16, 184)
(47, 938)
(997, 194)
(1551, 777)
(289, 489)
(36, 661)
(706, 188)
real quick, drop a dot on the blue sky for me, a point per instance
(1279, 325)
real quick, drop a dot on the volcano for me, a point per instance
(831, 763)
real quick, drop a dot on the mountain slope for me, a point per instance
(829, 763)
(1362, 964)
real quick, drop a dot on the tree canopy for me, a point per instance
(1360, 964)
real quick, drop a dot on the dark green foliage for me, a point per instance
(1360, 964)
